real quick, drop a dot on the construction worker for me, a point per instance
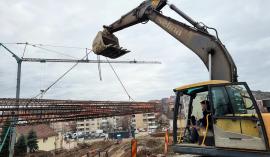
(206, 110)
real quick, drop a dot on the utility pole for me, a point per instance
(18, 88)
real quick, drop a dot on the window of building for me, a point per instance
(45, 139)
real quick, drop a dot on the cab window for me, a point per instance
(231, 99)
(220, 101)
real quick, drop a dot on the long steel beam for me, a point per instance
(44, 60)
(46, 110)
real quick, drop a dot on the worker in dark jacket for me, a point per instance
(206, 109)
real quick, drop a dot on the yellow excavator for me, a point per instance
(219, 117)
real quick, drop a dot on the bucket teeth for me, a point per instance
(110, 45)
(115, 46)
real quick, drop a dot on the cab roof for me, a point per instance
(199, 84)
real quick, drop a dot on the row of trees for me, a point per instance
(30, 142)
(22, 142)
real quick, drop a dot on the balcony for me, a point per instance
(152, 127)
(80, 127)
(151, 122)
(151, 117)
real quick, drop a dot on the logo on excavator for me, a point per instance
(169, 26)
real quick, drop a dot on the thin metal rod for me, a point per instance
(44, 60)
(13, 54)
(99, 68)
(210, 65)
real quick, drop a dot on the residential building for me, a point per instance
(171, 102)
(264, 105)
(63, 126)
(47, 138)
(146, 121)
(88, 125)
(91, 125)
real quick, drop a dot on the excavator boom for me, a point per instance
(206, 46)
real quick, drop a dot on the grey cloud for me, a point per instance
(242, 25)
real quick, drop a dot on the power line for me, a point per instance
(63, 75)
(61, 46)
(45, 45)
(42, 47)
(118, 78)
(24, 50)
(53, 51)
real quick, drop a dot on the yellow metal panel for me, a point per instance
(229, 125)
(266, 120)
(201, 84)
(250, 128)
(247, 127)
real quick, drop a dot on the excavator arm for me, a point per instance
(206, 46)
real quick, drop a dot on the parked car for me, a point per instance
(74, 135)
(102, 135)
(96, 135)
(67, 135)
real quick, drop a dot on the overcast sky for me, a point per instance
(243, 27)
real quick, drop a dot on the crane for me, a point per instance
(230, 123)
(19, 61)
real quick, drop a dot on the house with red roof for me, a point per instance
(48, 139)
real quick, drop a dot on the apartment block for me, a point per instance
(88, 125)
(146, 121)
(91, 125)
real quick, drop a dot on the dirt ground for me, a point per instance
(147, 146)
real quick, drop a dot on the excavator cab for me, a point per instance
(219, 118)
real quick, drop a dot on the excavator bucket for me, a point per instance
(106, 44)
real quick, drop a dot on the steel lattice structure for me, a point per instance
(46, 110)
